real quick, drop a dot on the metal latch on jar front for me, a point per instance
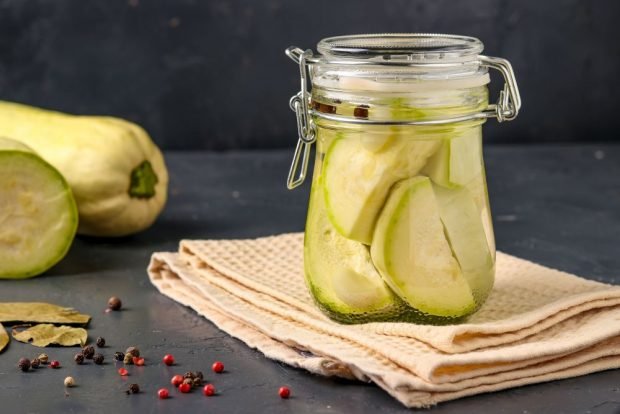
(505, 109)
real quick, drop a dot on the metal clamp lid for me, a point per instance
(505, 109)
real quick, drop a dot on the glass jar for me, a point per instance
(399, 225)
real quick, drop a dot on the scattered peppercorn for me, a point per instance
(176, 380)
(79, 359)
(133, 389)
(128, 359)
(189, 374)
(35, 363)
(98, 359)
(114, 303)
(69, 382)
(134, 351)
(119, 356)
(43, 358)
(208, 390)
(217, 367)
(185, 388)
(123, 372)
(168, 359)
(188, 381)
(24, 364)
(284, 392)
(88, 351)
(198, 374)
(138, 361)
(101, 342)
(196, 382)
(163, 393)
(55, 364)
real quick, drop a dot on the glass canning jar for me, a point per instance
(399, 225)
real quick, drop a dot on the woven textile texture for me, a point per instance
(538, 324)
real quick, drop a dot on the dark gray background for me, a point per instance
(212, 74)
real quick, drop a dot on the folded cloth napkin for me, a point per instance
(539, 324)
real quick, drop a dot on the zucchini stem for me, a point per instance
(143, 181)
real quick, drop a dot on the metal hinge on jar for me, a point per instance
(505, 109)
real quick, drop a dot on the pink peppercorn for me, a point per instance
(163, 393)
(217, 367)
(208, 390)
(284, 392)
(168, 359)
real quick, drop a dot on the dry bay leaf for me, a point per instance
(46, 334)
(4, 338)
(40, 312)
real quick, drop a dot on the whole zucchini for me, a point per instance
(116, 172)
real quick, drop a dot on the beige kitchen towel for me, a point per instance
(539, 324)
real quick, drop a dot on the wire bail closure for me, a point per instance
(306, 131)
(505, 109)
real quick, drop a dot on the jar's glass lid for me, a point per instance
(416, 47)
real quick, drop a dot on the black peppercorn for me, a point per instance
(189, 374)
(79, 359)
(100, 342)
(133, 389)
(114, 303)
(196, 382)
(198, 374)
(88, 351)
(98, 359)
(24, 364)
(35, 363)
(119, 356)
(134, 351)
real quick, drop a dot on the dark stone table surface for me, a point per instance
(557, 205)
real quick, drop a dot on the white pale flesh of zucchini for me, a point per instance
(413, 256)
(458, 161)
(340, 271)
(376, 142)
(464, 227)
(487, 223)
(38, 215)
(356, 181)
(477, 188)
